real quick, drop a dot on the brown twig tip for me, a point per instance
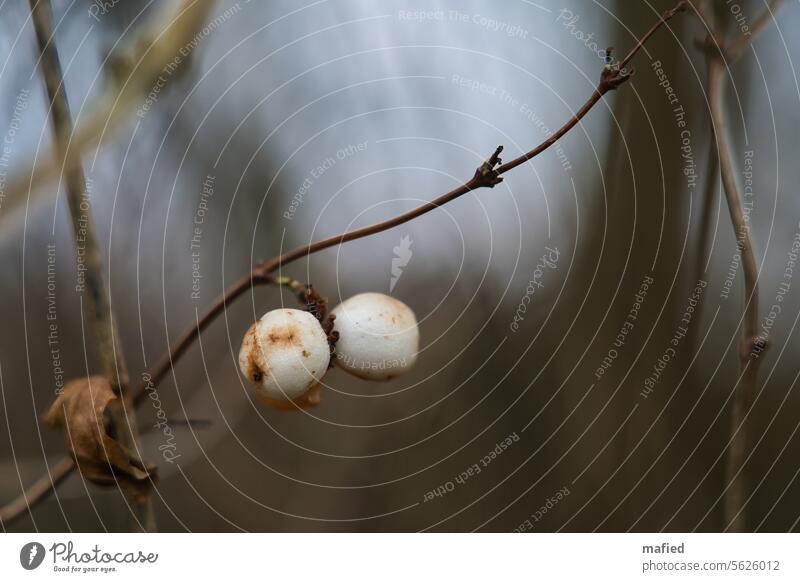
(613, 76)
(487, 175)
(495, 159)
(682, 6)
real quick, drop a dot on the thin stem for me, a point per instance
(306, 250)
(166, 363)
(720, 54)
(741, 227)
(591, 102)
(37, 492)
(96, 288)
(667, 16)
(748, 367)
(486, 176)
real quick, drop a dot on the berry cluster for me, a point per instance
(286, 353)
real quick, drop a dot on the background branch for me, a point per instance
(133, 70)
(97, 292)
(738, 45)
(36, 492)
(720, 54)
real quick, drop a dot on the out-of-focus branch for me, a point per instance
(748, 366)
(738, 45)
(43, 486)
(134, 70)
(720, 54)
(36, 492)
(87, 248)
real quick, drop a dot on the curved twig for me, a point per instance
(736, 47)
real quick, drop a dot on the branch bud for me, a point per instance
(486, 175)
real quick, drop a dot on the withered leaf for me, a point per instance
(85, 410)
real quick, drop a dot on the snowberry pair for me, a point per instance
(286, 353)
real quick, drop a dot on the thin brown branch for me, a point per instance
(735, 48)
(36, 492)
(748, 366)
(135, 70)
(681, 6)
(487, 175)
(166, 363)
(95, 288)
(720, 54)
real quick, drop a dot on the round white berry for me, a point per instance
(378, 336)
(284, 355)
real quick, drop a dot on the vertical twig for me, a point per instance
(720, 54)
(96, 287)
(748, 366)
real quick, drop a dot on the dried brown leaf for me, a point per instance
(85, 410)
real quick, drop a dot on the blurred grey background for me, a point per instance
(316, 117)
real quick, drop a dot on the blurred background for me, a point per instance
(290, 122)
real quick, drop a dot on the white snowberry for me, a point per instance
(378, 336)
(284, 355)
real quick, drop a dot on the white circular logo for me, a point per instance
(31, 555)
